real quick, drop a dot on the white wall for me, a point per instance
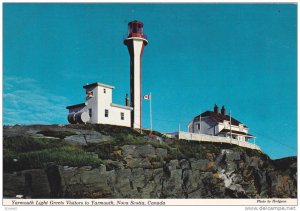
(207, 126)
(226, 125)
(208, 138)
(191, 127)
(137, 45)
(114, 116)
(103, 100)
(92, 103)
(210, 127)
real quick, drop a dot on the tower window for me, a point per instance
(122, 116)
(90, 112)
(104, 90)
(106, 113)
(89, 94)
(198, 126)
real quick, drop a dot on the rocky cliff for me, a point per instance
(100, 161)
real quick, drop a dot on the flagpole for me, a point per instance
(230, 127)
(200, 124)
(150, 113)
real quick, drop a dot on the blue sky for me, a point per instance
(242, 56)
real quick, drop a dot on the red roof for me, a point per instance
(218, 117)
(76, 106)
(136, 22)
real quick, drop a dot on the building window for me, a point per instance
(89, 94)
(90, 112)
(104, 90)
(122, 116)
(198, 126)
(106, 112)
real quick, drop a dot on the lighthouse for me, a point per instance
(99, 108)
(135, 41)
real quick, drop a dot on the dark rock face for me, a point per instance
(13, 185)
(31, 183)
(227, 176)
(148, 171)
(54, 179)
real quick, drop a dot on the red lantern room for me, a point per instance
(136, 29)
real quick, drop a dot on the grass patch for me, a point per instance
(183, 149)
(67, 155)
(27, 144)
(159, 144)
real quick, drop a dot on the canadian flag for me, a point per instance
(147, 97)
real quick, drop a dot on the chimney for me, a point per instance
(223, 111)
(216, 109)
(126, 100)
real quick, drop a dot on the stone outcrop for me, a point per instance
(156, 171)
(230, 175)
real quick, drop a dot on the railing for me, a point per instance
(135, 35)
(218, 139)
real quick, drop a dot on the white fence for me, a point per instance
(208, 138)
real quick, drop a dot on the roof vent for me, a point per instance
(223, 111)
(216, 109)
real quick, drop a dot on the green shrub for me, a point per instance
(67, 155)
(103, 149)
(27, 144)
(159, 144)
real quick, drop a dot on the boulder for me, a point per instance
(36, 183)
(140, 151)
(172, 165)
(85, 168)
(84, 137)
(145, 151)
(161, 153)
(14, 184)
(123, 184)
(201, 164)
(138, 163)
(138, 178)
(128, 150)
(184, 164)
(156, 165)
(172, 186)
(112, 164)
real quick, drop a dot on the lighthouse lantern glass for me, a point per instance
(135, 27)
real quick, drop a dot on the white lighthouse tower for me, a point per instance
(136, 41)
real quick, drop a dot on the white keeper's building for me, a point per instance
(217, 123)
